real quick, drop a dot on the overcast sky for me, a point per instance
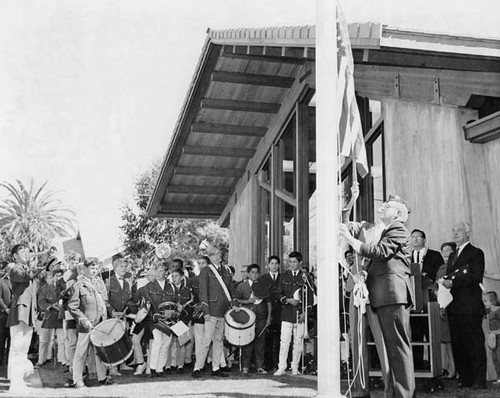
(90, 90)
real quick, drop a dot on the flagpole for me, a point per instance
(327, 200)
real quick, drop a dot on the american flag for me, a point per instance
(352, 143)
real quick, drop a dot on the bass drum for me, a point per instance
(111, 342)
(237, 333)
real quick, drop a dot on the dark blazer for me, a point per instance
(287, 286)
(22, 306)
(388, 280)
(432, 261)
(273, 296)
(211, 293)
(153, 293)
(118, 298)
(47, 296)
(466, 272)
(243, 292)
(5, 294)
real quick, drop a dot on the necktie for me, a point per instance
(418, 256)
(274, 277)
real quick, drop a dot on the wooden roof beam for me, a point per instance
(483, 130)
(209, 171)
(245, 106)
(192, 209)
(257, 53)
(229, 129)
(199, 190)
(218, 151)
(252, 79)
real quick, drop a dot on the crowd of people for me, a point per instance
(401, 275)
(68, 306)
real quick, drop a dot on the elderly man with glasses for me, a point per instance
(388, 282)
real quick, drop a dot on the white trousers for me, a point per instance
(287, 330)
(136, 345)
(83, 348)
(19, 364)
(213, 333)
(70, 339)
(159, 350)
(61, 349)
(45, 344)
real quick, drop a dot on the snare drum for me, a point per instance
(111, 342)
(240, 334)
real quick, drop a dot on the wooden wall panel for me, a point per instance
(243, 229)
(444, 177)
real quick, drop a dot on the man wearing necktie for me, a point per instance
(292, 318)
(388, 283)
(465, 313)
(429, 262)
(272, 345)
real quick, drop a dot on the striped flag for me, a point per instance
(352, 143)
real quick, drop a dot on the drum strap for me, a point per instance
(219, 278)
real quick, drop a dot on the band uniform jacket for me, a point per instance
(118, 298)
(47, 296)
(180, 295)
(211, 293)
(243, 292)
(195, 287)
(85, 302)
(466, 272)
(5, 294)
(272, 286)
(287, 286)
(153, 293)
(23, 304)
(388, 280)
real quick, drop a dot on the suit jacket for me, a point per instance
(466, 272)
(23, 304)
(388, 280)
(273, 296)
(211, 293)
(118, 298)
(431, 263)
(5, 294)
(85, 303)
(153, 293)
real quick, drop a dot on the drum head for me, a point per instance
(231, 322)
(107, 332)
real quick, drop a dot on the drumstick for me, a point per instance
(263, 330)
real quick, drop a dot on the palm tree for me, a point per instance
(33, 215)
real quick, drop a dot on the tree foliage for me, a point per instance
(32, 215)
(185, 236)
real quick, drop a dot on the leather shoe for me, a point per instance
(196, 374)
(218, 373)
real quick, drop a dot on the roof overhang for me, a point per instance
(243, 80)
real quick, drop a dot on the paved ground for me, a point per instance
(48, 381)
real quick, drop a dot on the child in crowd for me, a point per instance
(48, 299)
(262, 309)
(490, 300)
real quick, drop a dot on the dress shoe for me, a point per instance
(140, 369)
(279, 372)
(196, 374)
(167, 371)
(218, 373)
(295, 372)
(179, 370)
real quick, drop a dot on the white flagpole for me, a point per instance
(327, 200)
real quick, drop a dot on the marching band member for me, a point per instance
(157, 292)
(262, 310)
(292, 319)
(197, 320)
(215, 294)
(87, 306)
(179, 292)
(119, 294)
(21, 319)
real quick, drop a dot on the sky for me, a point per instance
(90, 90)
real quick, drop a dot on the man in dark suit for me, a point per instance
(272, 344)
(5, 298)
(429, 262)
(465, 313)
(388, 283)
(215, 300)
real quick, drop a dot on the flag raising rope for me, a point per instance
(352, 143)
